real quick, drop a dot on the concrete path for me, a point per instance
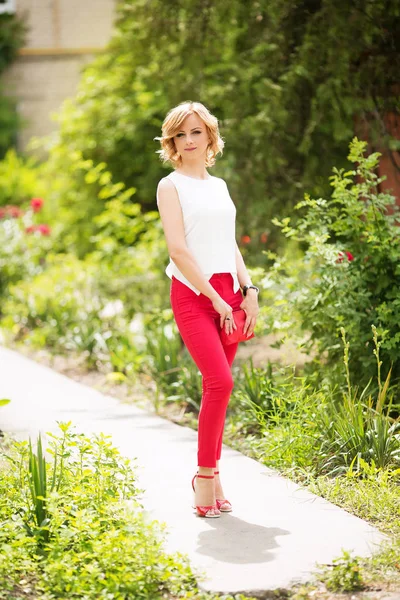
(276, 532)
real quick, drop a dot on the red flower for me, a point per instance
(245, 239)
(44, 229)
(264, 237)
(11, 211)
(14, 211)
(349, 255)
(36, 204)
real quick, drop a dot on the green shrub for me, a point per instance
(170, 365)
(187, 390)
(74, 527)
(12, 37)
(312, 431)
(61, 308)
(21, 179)
(284, 439)
(345, 574)
(261, 394)
(92, 212)
(361, 430)
(78, 192)
(123, 264)
(22, 254)
(128, 247)
(353, 277)
(98, 540)
(163, 348)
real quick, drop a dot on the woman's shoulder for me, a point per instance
(166, 189)
(165, 181)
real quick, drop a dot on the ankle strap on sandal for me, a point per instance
(216, 472)
(205, 476)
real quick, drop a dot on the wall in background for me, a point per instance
(63, 36)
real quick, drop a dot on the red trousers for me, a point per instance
(199, 325)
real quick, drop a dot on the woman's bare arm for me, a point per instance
(172, 221)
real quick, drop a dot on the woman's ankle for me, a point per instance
(206, 471)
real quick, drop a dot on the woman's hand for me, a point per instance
(250, 306)
(224, 310)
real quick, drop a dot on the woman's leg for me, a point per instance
(199, 331)
(230, 353)
(199, 327)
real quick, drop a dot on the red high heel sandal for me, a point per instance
(210, 512)
(223, 505)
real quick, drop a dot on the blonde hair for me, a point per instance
(172, 124)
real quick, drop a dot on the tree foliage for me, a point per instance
(12, 36)
(286, 80)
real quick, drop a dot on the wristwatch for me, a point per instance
(246, 287)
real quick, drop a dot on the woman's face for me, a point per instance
(192, 139)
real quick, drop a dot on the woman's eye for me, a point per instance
(181, 134)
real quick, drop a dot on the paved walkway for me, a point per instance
(276, 532)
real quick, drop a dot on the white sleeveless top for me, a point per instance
(209, 216)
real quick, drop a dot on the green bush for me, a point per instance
(288, 435)
(314, 432)
(73, 526)
(12, 37)
(358, 429)
(345, 575)
(61, 308)
(22, 253)
(163, 351)
(21, 179)
(261, 394)
(78, 192)
(129, 247)
(98, 542)
(353, 270)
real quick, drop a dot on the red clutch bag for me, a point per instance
(237, 335)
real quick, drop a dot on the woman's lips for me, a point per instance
(189, 149)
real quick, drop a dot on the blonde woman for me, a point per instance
(207, 271)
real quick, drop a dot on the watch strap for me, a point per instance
(247, 287)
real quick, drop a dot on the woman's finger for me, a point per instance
(247, 324)
(226, 321)
(252, 327)
(229, 324)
